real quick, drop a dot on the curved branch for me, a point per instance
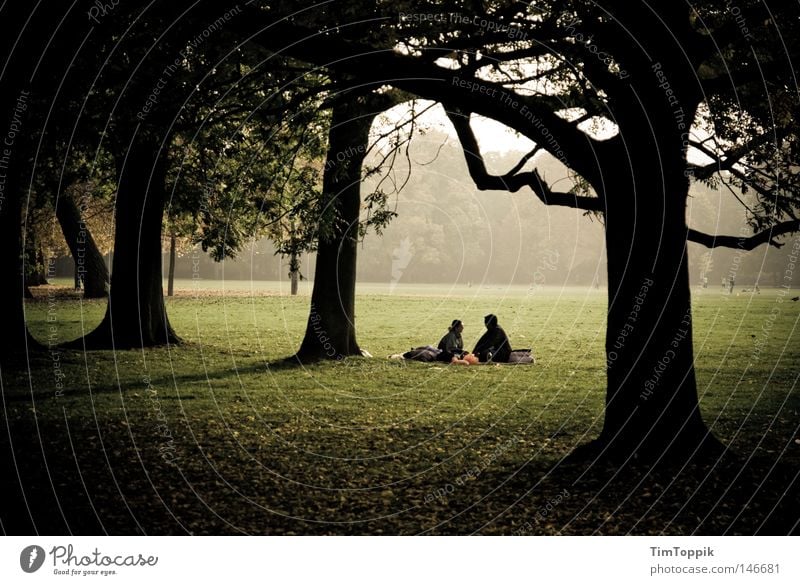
(512, 181)
(745, 243)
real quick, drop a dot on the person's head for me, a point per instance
(490, 321)
(457, 326)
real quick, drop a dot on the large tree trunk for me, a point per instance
(171, 270)
(16, 513)
(331, 331)
(90, 268)
(14, 339)
(136, 315)
(17, 126)
(16, 129)
(652, 409)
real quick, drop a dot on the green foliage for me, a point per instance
(379, 216)
(250, 167)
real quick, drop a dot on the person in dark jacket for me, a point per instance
(452, 345)
(494, 344)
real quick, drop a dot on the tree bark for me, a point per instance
(652, 409)
(651, 400)
(90, 267)
(136, 316)
(171, 272)
(15, 339)
(16, 128)
(331, 332)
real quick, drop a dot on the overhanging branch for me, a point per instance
(727, 160)
(369, 65)
(512, 181)
(745, 243)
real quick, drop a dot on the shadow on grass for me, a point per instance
(736, 497)
(73, 356)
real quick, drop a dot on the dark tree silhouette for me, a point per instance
(26, 79)
(136, 315)
(331, 331)
(26, 76)
(166, 95)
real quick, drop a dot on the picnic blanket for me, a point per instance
(428, 353)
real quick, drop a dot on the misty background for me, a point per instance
(448, 232)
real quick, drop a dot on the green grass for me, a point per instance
(221, 442)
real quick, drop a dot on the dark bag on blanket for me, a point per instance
(426, 353)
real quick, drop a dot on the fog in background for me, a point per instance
(448, 232)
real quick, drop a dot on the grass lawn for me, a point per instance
(207, 437)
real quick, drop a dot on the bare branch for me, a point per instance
(399, 126)
(532, 52)
(435, 157)
(512, 181)
(518, 81)
(745, 243)
(734, 156)
(518, 167)
(738, 174)
(737, 196)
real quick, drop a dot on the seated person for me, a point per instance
(494, 344)
(452, 345)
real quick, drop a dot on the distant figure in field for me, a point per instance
(452, 344)
(493, 345)
(731, 284)
(724, 284)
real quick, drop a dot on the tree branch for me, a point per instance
(518, 167)
(525, 114)
(490, 59)
(512, 181)
(733, 156)
(745, 243)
